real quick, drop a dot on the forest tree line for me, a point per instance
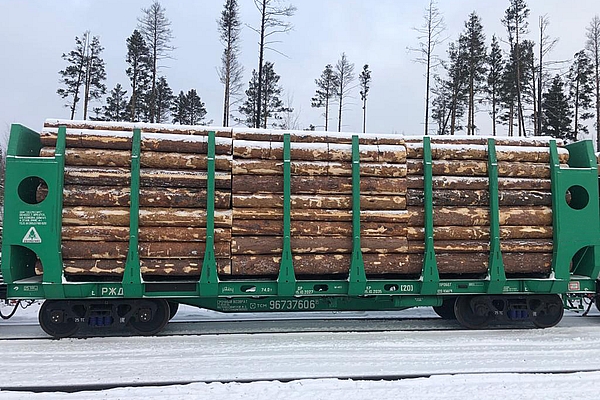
(511, 76)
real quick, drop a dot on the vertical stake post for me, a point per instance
(209, 278)
(496, 273)
(430, 275)
(132, 277)
(286, 280)
(357, 279)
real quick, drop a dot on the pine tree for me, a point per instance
(546, 44)
(231, 71)
(116, 105)
(556, 110)
(457, 83)
(494, 80)
(94, 75)
(73, 76)
(164, 100)
(155, 27)
(364, 80)
(441, 104)
(592, 45)
(188, 109)
(272, 105)
(475, 64)
(430, 36)
(581, 91)
(514, 78)
(515, 21)
(139, 73)
(344, 72)
(326, 89)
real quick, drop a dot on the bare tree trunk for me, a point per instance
(428, 72)
(494, 113)
(533, 91)
(364, 115)
(327, 112)
(261, 51)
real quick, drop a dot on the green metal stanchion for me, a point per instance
(357, 279)
(496, 274)
(286, 280)
(430, 275)
(209, 279)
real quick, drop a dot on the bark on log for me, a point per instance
(188, 268)
(317, 137)
(319, 216)
(323, 264)
(322, 202)
(167, 129)
(539, 141)
(511, 245)
(275, 167)
(480, 232)
(118, 250)
(150, 142)
(145, 234)
(451, 197)
(479, 168)
(475, 183)
(116, 216)
(477, 152)
(318, 152)
(148, 159)
(316, 228)
(118, 196)
(317, 245)
(105, 176)
(450, 264)
(472, 216)
(317, 185)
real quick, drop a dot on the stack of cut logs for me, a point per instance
(249, 202)
(172, 218)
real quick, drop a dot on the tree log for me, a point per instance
(472, 216)
(323, 264)
(510, 245)
(318, 215)
(315, 228)
(479, 168)
(322, 202)
(317, 137)
(318, 152)
(148, 159)
(150, 142)
(480, 232)
(478, 152)
(275, 167)
(540, 141)
(317, 185)
(118, 196)
(105, 176)
(317, 245)
(144, 126)
(116, 216)
(145, 234)
(118, 250)
(188, 268)
(451, 197)
(475, 183)
(533, 264)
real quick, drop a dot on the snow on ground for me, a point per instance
(475, 364)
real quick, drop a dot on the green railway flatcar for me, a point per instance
(32, 229)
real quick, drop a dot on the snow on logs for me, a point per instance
(249, 202)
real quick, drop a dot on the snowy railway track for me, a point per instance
(99, 387)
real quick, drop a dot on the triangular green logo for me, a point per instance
(32, 236)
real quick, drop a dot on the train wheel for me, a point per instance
(471, 312)
(150, 316)
(173, 307)
(549, 312)
(446, 310)
(56, 320)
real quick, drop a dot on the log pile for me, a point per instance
(172, 218)
(249, 202)
(461, 204)
(321, 204)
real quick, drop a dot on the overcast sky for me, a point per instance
(34, 34)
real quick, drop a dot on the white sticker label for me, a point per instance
(32, 236)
